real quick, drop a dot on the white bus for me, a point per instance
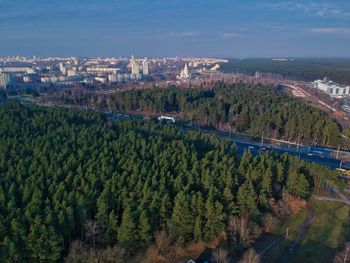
(166, 118)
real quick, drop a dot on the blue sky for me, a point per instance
(225, 28)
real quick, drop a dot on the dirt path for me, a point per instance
(301, 235)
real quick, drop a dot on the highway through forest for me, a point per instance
(316, 154)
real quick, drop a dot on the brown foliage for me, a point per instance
(80, 253)
(287, 206)
(164, 248)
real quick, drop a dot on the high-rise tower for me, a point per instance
(5, 79)
(134, 66)
(185, 74)
(63, 70)
(145, 69)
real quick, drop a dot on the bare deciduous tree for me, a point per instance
(242, 232)
(162, 249)
(220, 255)
(267, 222)
(77, 253)
(80, 253)
(343, 256)
(250, 256)
(113, 254)
(93, 231)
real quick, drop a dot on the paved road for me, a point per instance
(342, 198)
(320, 155)
(324, 198)
(320, 158)
(317, 154)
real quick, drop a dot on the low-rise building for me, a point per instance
(71, 72)
(51, 79)
(331, 88)
(17, 70)
(102, 70)
(101, 80)
(112, 78)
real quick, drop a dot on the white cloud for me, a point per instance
(180, 34)
(230, 35)
(331, 30)
(313, 8)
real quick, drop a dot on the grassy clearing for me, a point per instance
(326, 234)
(26, 98)
(292, 224)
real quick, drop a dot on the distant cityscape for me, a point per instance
(21, 73)
(38, 75)
(25, 73)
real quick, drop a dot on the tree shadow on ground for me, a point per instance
(290, 251)
(276, 249)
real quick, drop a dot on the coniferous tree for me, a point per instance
(246, 200)
(67, 175)
(182, 216)
(214, 217)
(127, 232)
(197, 230)
(145, 229)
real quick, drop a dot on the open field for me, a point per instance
(26, 98)
(315, 234)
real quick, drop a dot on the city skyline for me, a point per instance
(180, 28)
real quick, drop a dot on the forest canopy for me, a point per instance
(73, 175)
(305, 69)
(255, 110)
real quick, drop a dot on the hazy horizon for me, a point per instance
(234, 29)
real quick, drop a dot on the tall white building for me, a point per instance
(185, 74)
(145, 68)
(5, 80)
(134, 66)
(62, 69)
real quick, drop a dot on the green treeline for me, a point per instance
(72, 175)
(337, 70)
(253, 109)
